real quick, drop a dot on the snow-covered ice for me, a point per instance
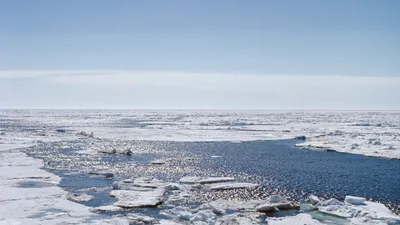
(138, 199)
(367, 212)
(367, 133)
(229, 186)
(42, 205)
(302, 218)
(210, 180)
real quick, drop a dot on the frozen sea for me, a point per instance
(344, 153)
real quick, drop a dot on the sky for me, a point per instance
(177, 54)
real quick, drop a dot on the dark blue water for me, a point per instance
(310, 171)
(274, 164)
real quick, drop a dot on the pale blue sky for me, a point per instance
(310, 38)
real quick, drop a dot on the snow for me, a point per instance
(276, 203)
(302, 218)
(313, 199)
(343, 131)
(239, 219)
(210, 180)
(148, 182)
(354, 200)
(368, 133)
(217, 183)
(138, 199)
(367, 213)
(159, 161)
(229, 186)
(41, 205)
(106, 208)
(190, 180)
(80, 197)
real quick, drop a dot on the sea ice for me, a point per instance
(368, 212)
(138, 199)
(354, 200)
(190, 180)
(276, 203)
(106, 208)
(302, 218)
(148, 182)
(80, 197)
(210, 180)
(229, 186)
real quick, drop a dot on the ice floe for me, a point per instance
(33, 197)
(138, 199)
(80, 197)
(276, 203)
(359, 210)
(229, 186)
(302, 218)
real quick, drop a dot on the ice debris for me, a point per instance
(80, 197)
(359, 211)
(138, 199)
(302, 218)
(276, 203)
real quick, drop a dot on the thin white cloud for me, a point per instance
(217, 81)
(130, 89)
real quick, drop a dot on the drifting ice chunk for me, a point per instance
(355, 200)
(159, 161)
(138, 199)
(148, 182)
(301, 218)
(169, 222)
(190, 180)
(313, 199)
(210, 180)
(275, 199)
(229, 186)
(266, 207)
(179, 213)
(238, 219)
(367, 213)
(80, 197)
(276, 203)
(174, 187)
(106, 208)
(140, 219)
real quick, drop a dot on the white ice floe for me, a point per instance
(352, 132)
(178, 213)
(159, 161)
(80, 197)
(367, 133)
(229, 186)
(313, 199)
(276, 203)
(302, 218)
(138, 199)
(354, 200)
(42, 205)
(148, 182)
(190, 180)
(217, 183)
(223, 205)
(366, 212)
(106, 208)
(239, 219)
(140, 219)
(210, 180)
(169, 222)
